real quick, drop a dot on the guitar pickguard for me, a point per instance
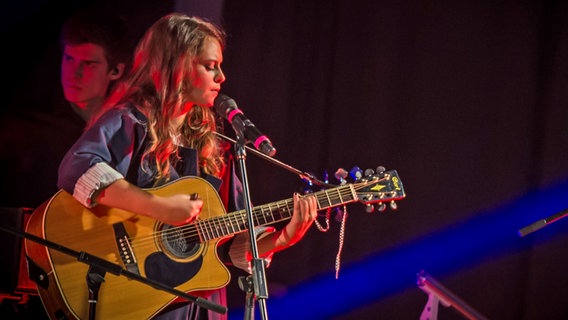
(159, 267)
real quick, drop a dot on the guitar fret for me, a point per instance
(327, 197)
(201, 231)
(271, 209)
(215, 227)
(235, 222)
(263, 215)
(279, 209)
(340, 194)
(288, 209)
(256, 217)
(275, 210)
(211, 226)
(270, 212)
(337, 192)
(210, 229)
(220, 226)
(239, 216)
(340, 198)
(243, 221)
(227, 225)
(207, 228)
(352, 192)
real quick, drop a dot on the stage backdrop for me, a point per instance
(467, 100)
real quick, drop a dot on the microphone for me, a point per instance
(228, 108)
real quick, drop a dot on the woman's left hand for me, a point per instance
(305, 212)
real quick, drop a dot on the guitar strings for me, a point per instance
(191, 230)
(224, 225)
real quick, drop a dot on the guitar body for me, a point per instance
(197, 270)
(183, 257)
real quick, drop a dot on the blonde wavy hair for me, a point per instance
(157, 85)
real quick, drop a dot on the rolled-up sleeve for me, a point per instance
(95, 179)
(100, 156)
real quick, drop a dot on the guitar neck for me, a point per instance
(236, 222)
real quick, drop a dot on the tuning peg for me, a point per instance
(381, 206)
(356, 173)
(340, 175)
(369, 172)
(381, 169)
(393, 205)
(369, 208)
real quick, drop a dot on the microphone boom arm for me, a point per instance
(281, 164)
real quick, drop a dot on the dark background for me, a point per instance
(467, 100)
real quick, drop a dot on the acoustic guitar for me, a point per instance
(182, 257)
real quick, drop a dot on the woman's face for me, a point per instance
(206, 75)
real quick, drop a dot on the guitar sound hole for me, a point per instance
(180, 242)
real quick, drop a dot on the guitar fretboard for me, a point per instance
(235, 222)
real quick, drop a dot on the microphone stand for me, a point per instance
(98, 267)
(260, 290)
(256, 287)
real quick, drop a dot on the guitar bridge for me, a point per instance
(125, 249)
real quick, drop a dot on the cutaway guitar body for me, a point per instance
(156, 251)
(183, 257)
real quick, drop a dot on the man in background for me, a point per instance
(96, 50)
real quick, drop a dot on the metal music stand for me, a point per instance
(542, 223)
(437, 293)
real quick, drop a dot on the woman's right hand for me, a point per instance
(175, 209)
(180, 209)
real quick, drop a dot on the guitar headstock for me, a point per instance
(374, 188)
(377, 189)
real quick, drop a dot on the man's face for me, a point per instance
(85, 74)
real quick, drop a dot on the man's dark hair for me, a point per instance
(109, 31)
